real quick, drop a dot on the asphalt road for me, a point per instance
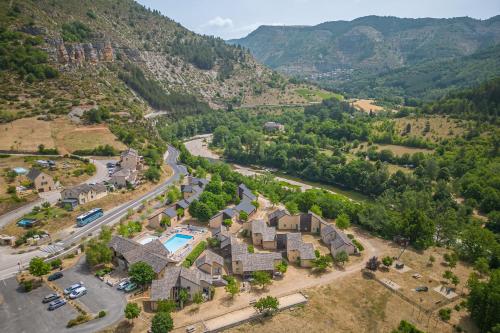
(8, 267)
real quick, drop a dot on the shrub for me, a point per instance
(56, 263)
(445, 314)
(191, 258)
(101, 314)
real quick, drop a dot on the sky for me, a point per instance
(237, 18)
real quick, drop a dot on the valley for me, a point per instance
(335, 177)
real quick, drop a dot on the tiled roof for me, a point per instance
(33, 173)
(260, 227)
(75, 191)
(209, 257)
(161, 289)
(294, 242)
(252, 262)
(183, 204)
(246, 206)
(152, 253)
(245, 191)
(279, 213)
(170, 212)
(121, 245)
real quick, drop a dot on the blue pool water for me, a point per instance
(176, 242)
(26, 223)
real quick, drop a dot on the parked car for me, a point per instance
(70, 289)
(57, 304)
(55, 276)
(123, 284)
(422, 288)
(79, 292)
(130, 287)
(50, 298)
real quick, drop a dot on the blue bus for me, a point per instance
(89, 216)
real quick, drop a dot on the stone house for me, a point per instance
(84, 193)
(154, 220)
(210, 263)
(176, 278)
(42, 182)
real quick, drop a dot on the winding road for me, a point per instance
(9, 262)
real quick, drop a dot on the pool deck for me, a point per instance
(179, 254)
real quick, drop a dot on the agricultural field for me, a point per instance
(439, 127)
(367, 105)
(28, 133)
(290, 94)
(397, 150)
(314, 95)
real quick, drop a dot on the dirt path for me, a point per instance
(223, 305)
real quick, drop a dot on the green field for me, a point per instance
(310, 94)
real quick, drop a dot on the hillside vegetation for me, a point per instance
(60, 54)
(414, 55)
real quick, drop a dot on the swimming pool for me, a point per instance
(176, 242)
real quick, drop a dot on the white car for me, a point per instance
(123, 284)
(73, 287)
(78, 292)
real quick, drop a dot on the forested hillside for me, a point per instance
(414, 55)
(60, 54)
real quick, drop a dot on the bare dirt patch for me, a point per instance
(28, 133)
(367, 105)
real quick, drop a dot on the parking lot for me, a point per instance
(24, 312)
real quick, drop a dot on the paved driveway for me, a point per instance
(24, 312)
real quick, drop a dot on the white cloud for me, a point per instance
(220, 22)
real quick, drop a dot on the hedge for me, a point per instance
(190, 259)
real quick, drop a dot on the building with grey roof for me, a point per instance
(210, 263)
(245, 263)
(84, 193)
(246, 206)
(127, 252)
(245, 193)
(226, 214)
(176, 278)
(263, 235)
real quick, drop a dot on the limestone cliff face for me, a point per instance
(79, 54)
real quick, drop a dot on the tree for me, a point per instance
(484, 301)
(451, 259)
(387, 261)
(38, 267)
(342, 257)
(165, 305)
(261, 278)
(406, 327)
(141, 273)
(227, 222)
(373, 263)
(232, 287)
(445, 314)
(282, 267)
(162, 323)
(482, 266)
(316, 210)
(243, 216)
(343, 222)
(292, 207)
(321, 263)
(165, 221)
(97, 252)
(432, 259)
(132, 311)
(250, 249)
(183, 297)
(56, 263)
(267, 305)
